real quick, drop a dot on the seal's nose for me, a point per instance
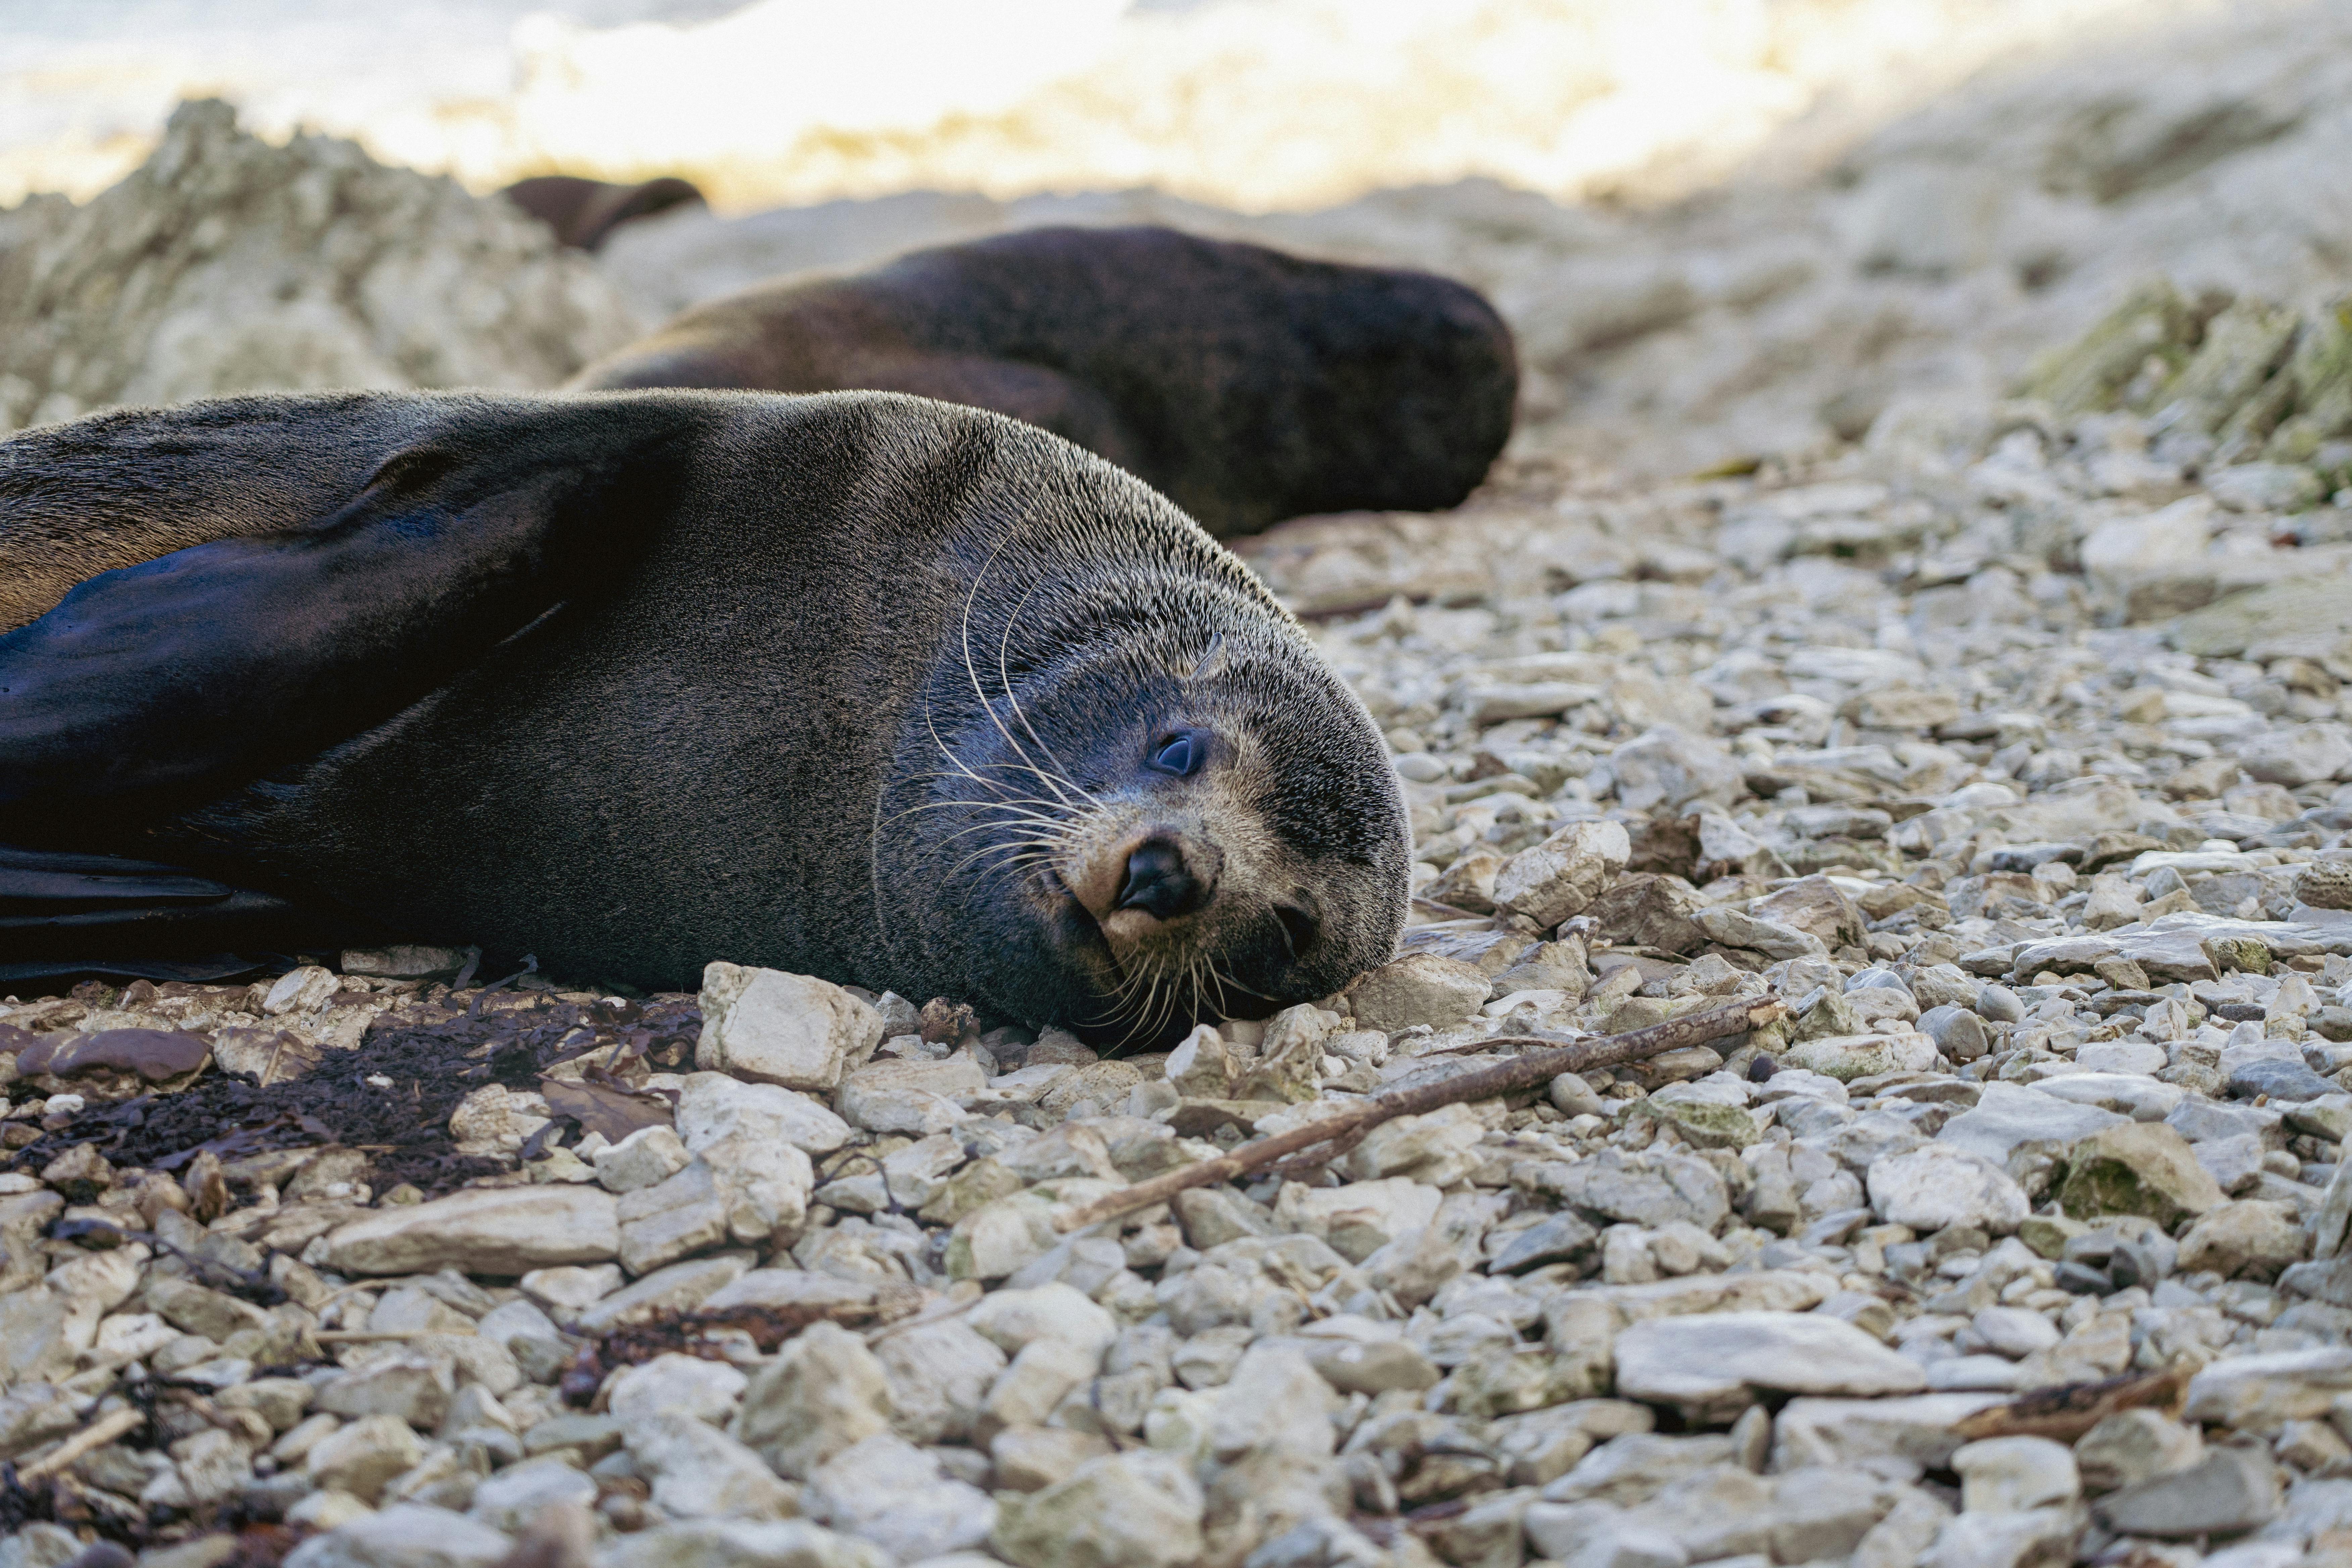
(1161, 882)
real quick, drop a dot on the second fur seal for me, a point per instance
(1245, 384)
(893, 692)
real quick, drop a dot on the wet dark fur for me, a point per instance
(583, 212)
(634, 681)
(1245, 384)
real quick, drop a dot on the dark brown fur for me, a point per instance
(583, 212)
(1245, 384)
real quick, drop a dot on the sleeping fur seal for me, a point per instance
(860, 685)
(1245, 384)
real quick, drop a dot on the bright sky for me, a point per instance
(1254, 105)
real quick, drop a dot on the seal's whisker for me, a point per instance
(1004, 679)
(960, 766)
(1014, 809)
(1224, 979)
(1046, 823)
(970, 670)
(1016, 852)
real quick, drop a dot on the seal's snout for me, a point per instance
(1161, 881)
(1148, 877)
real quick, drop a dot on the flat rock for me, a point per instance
(406, 1535)
(2140, 1098)
(1916, 1428)
(1723, 1360)
(1849, 1057)
(2278, 1080)
(2262, 1392)
(1419, 988)
(1652, 1190)
(712, 1106)
(483, 1230)
(2009, 1115)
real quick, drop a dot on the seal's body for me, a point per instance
(1245, 384)
(864, 686)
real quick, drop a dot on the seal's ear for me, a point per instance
(186, 675)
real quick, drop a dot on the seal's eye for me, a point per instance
(1180, 752)
(1299, 928)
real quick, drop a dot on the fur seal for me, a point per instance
(583, 212)
(1245, 384)
(860, 685)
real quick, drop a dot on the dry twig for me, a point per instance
(1525, 1071)
(2067, 1410)
(97, 1434)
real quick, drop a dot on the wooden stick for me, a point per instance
(97, 1434)
(374, 1336)
(1525, 1071)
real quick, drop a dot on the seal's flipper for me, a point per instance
(208, 666)
(64, 916)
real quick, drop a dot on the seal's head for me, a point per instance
(1143, 805)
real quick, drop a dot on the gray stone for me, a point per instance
(672, 1384)
(1941, 1184)
(1633, 1466)
(2229, 1490)
(1735, 927)
(886, 1490)
(680, 1287)
(938, 1375)
(411, 1386)
(1850, 1056)
(1136, 1510)
(2283, 1081)
(1560, 877)
(1015, 1320)
(1653, 1190)
(2009, 1475)
(2136, 1168)
(1916, 1430)
(791, 1030)
(648, 1156)
(1901, 1538)
(1958, 1032)
(822, 1394)
(1719, 1362)
(406, 1535)
(2014, 1332)
(1596, 1535)
(1419, 988)
(713, 1107)
(741, 1544)
(2019, 1540)
(2263, 1392)
(1372, 1361)
(2134, 1446)
(2008, 1116)
(363, 1457)
(2201, 1120)
(1556, 1239)
(512, 1500)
